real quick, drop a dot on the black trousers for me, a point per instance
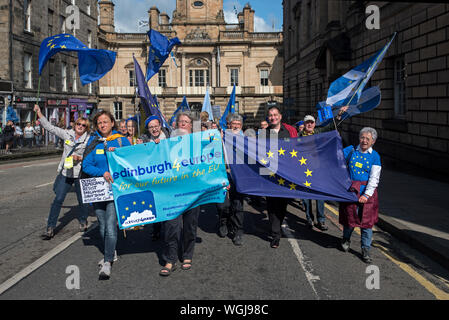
(231, 211)
(277, 209)
(180, 236)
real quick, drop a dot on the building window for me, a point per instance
(88, 9)
(51, 75)
(118, 111)
(234, 76)
(90, 88)
(264, 77)
(74, 79)
(62, 23)
(27, 70)
(162, 78)
(198, 78)
(50, 22)
(27, 15)
(132, 78)
(89, 39)
(399, 87)
(64, 76)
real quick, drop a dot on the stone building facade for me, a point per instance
(23, 26)
(325, 39)
(213, 55)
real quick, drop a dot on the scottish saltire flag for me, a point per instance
(230, 108)
(207, 106)
(311, 167)
(159, 50)
(184, 106)
(350, 86)
(158, 182)
(93, 64)
(369, 100)
(149, 105)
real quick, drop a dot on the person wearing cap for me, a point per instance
(276, 206)
(300, 125)
(155, 134)
(310, 129)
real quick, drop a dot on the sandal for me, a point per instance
(186, 265)
(165, 272)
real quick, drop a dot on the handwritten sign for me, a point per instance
(95, 190)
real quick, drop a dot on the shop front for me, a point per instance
(80, 108)
(58, 114)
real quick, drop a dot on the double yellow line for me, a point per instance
(429, 286)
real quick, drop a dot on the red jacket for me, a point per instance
(292, 130)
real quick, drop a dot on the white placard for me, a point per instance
(96, 190)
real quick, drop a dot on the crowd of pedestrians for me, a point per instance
(84, 156)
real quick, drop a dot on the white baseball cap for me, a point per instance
(309, 118)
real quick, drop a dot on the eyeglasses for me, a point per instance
(154, 127)
(82, 124)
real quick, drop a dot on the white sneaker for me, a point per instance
(105, 271)
(101, 262)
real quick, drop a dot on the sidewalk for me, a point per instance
(25, 152)
(413, 208)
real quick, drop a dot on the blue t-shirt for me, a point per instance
(360, 164)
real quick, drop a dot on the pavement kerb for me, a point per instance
(24, 155)
(431, 249)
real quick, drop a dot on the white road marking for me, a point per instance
(43, 185)
(41, 164)
(41, 261)
(305, 264)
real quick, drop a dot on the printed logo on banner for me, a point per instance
(136, 208)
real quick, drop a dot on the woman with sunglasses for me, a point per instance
(95, 164)
(69, 168)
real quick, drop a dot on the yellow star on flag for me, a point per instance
(126, 208)
(308, 173)
(63, 47)
(270, 154)
(272, 174)
(302, 160)
(294, 153)
(123, 217)
(134, 203)
(281, 151)
(143, 202)
(292, 186)
(281, 181)
(263, 161)
(53, 46)
(307, 184)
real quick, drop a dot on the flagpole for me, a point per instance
(37, 98)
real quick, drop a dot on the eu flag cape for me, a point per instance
(311, 167)
(93, 64)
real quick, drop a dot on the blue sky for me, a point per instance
(128, 12)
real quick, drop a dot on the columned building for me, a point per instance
(325, 39)
(213, 55)
(24, 25)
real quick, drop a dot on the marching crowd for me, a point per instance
(84, 155)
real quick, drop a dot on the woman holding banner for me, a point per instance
(181, 231)
(69, 169)
(95, 164)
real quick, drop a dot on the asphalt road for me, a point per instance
(307, 266)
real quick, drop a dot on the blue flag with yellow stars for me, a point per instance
(93, 64)
(230, 108)
(310, 167)
(159, 51)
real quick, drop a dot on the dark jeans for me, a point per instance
(277, 209)
(61, 187)
(319, 208)
(180, 235)
(231, 211)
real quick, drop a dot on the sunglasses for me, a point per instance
(82, 124)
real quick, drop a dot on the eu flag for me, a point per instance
(184, 106)
(230, 108)
(159, 51)
(146, 98)
(93, 64)
(310, 167)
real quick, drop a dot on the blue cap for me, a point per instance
(299, 123)
(151, 118)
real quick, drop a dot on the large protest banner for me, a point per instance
(158, 182)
